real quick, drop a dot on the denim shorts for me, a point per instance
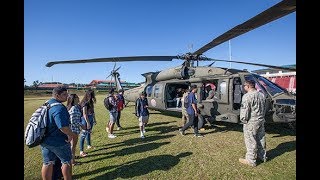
(113, 116)
(50, 153)
(84, 122)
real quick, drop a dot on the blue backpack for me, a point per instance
(36, 128)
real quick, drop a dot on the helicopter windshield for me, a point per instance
(269, 86)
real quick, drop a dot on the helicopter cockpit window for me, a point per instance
(268, 85)
(258, 85)
(156, 91)
(149, 90)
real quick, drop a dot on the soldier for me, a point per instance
(252, 114)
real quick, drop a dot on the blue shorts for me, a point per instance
(50, 154)
(113, 116)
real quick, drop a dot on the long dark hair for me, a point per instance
(87, 100)
(70, 101)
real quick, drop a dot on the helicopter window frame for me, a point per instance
(157, 90)
(149, 90)
(258, 86)
(269, 86)
(222, 92)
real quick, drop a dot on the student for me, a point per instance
(142, 112)
(192, 111)
(113, 113)
(120, 105)
(88, 119)
(74, 110)
(185, 117)
(56, 144)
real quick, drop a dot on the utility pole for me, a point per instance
(230, 54)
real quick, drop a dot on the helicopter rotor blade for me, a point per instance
(279, 10)
(255, 64)
(108, 76)
(116, 59)
(117, 69)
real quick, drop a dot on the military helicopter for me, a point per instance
(225, 105)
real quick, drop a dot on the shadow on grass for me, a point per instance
(137, 168)
(150, 124)
(281, 149)
(127, 151)
(131, 142)
(280, 129)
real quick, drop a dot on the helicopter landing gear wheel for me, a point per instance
(200, 121)
(292, 125)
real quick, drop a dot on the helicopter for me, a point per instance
(160, 87)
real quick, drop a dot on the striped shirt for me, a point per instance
(75, 118)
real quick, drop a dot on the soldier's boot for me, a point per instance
(244, 161)
(263, 159)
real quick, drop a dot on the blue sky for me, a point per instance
(78, 29)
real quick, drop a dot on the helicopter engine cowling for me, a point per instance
(175, 73)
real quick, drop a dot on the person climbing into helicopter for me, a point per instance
(193, 113)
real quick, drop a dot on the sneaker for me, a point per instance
(111, 136)
(245, 161)
(90, 147)
(202, 129)
(198, 135)
(83, 154)
(142, 136)
(119, 128)
(181, 132)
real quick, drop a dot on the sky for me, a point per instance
(77, 29)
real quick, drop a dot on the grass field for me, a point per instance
(165, 154)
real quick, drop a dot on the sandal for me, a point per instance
(83, 154)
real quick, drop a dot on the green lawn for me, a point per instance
(165, 154)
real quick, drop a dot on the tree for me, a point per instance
(36, 84)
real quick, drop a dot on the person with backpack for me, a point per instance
(74, 110)
(185, 117)
(141, 108)
(110, 103)
(192, 111)
(120, 106)
(87, 120)
(56, 143)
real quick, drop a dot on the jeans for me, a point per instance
(86, 134)
(118, 119)
(193, 120)
(50, 153)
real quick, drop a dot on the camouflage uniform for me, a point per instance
(252, 113)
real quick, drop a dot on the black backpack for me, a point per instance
(107, 103)
(186, 101)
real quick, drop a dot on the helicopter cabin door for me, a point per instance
(156, 100)
(223, 106)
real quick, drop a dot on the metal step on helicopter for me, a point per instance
(161, 87)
